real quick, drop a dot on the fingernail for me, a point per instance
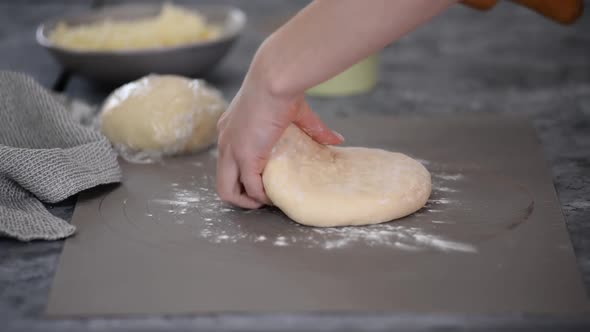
(338, 134)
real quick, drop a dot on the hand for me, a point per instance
(248, 130)
(290, 61)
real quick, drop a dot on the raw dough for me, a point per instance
(325, 186)
(161, 115)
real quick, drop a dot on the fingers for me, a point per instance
(253, 130)
(228, 182)
(254, 187)
(311, 123)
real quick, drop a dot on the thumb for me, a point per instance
(312, 125)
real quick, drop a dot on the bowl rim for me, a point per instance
(43, 40)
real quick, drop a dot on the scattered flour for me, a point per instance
(442, 222)
(217, 222)
(445, 189)
(440, 201)
(281, 241)
(388, 235)
(449, 187)
(448, 177)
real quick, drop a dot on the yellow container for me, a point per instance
(358, 79)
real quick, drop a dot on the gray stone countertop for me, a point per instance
(508, 61)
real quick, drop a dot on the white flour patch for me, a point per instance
(444, 245)
(448, 177)
(388, 235)
(436, 203)
(281, 241)
(445, 189)
(440, 201)
(442, 222)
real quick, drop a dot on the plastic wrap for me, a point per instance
(161, 115)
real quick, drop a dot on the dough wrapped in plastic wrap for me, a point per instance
(161, 115)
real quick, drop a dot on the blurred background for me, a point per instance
(506, 59)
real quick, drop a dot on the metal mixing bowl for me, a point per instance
(115, 67)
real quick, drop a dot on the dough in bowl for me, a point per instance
(327, 186)
(161, 115)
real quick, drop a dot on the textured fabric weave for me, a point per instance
(45, 155)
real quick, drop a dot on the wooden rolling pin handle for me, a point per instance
(480, 4)
(561, 11)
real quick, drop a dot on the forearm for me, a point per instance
(328, 36)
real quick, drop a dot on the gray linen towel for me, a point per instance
(45, 155)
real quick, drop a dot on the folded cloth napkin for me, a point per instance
(45, 155)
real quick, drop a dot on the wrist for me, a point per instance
(268, 74)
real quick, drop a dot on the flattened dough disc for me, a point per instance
(327, 186)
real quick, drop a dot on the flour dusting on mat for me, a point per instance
(220, 223)
(388, 235)
(445, 189)
(451, 177)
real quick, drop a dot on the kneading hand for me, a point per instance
(248, 130)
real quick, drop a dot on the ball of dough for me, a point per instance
(161, 115)
(326, 186)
